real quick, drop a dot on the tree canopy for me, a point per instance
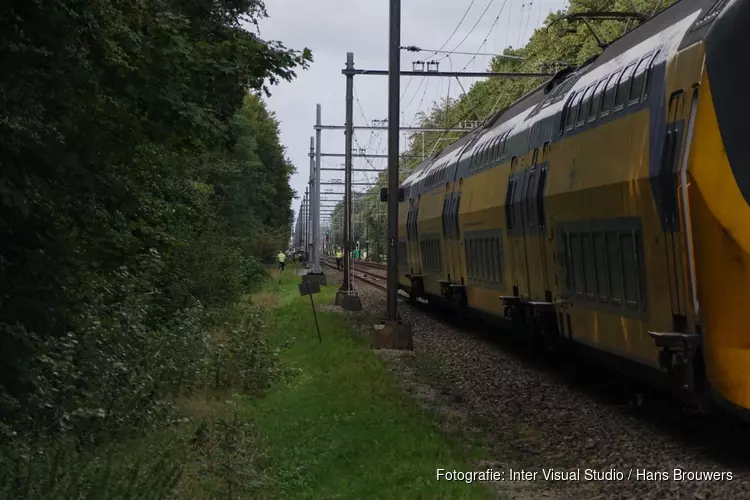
(142, 182)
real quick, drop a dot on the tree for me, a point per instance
(119, 219)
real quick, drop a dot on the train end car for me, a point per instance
(716, 185)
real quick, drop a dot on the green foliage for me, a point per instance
(240, 357)
(139, 167)
(54, 471)
(553, 45)
(227, 459)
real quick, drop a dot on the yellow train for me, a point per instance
(608, 208)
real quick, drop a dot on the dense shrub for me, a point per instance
(138, 164)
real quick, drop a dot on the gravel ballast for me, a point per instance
(529, 417)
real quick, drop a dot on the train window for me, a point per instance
(490, 260)
(630, 269)
(615, 268)
(495, 242)
(639, 77)
(476, 256)
(540, 194)
(600, 254)
(583, 107)
(456, 213)
(495, 250)
(444, 217)
(529, 202)
(577, 261)
(499, 258)
(649, 72)
(570, 117)
(473, 258)
(566, 262)
(493, 259)
(608, 98)
(589, 269)
(622, 87)
(485, 260)
(480, 259)
(596, 98)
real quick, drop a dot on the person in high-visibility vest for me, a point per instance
(339, 256)
(282, 260)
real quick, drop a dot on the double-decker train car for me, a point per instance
(608, 208)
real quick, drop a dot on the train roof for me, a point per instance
(683, 23)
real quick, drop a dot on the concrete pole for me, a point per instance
(307, 218)
(392, 334)
(317, 239)
(347, 285)
(346, 296)
(311, 209)
(394, 83)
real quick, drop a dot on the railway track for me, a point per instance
(372, 273)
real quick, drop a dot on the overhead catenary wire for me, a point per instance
(455, 30)
(470, 31)
(489, 32)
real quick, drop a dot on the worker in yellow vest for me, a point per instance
(339, 256)
(282, 260)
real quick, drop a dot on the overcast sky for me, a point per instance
(331, 28)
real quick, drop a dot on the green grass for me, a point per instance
(338, 425)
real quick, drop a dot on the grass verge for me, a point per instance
(337, 425)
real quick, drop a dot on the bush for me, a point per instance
(240, 357)
(139, 164)
(55, 471)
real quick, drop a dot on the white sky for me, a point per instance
(331, 28)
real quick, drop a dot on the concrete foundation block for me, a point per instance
(390, 335)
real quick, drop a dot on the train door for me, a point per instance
(670, 220)
(450, 232)
(445, 222)
(541, 224)
(517, 185)
(533, 231)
